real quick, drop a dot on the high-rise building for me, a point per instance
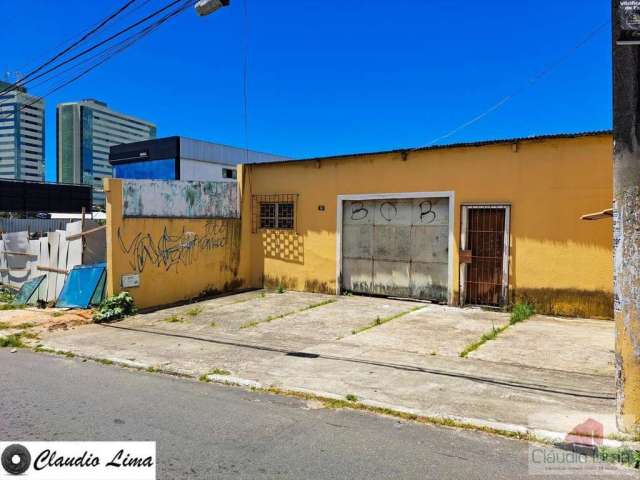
(21, 135)
(86, 130)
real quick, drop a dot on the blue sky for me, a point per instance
(336, 77)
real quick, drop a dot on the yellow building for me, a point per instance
(486, 223)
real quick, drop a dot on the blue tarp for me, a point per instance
(84, 286)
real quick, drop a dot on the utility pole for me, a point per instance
(626, 209)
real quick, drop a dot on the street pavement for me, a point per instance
(207, 431)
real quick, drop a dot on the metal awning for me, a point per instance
(608, 213)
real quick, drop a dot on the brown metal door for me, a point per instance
(485, 240)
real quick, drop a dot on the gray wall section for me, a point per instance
(178, 199)
(396, 247)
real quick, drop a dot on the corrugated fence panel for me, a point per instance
(39, 225)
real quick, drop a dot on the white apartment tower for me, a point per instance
(86, 130)
(21, 134)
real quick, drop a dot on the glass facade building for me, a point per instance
(86, 131)
(21, 135)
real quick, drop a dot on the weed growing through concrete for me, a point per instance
(381, 321)
(174, 319)
(195, 311)
(491, 335)
(104, 361)
(213, 324)
(12, 341)
(270, 318)
(280, 288)
(57, 314)
(520, 312)
(351, 397)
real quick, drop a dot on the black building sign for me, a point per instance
(629, 12)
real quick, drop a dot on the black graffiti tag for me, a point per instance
(358, 211)
(171, 250)
(426, 210)
(388, 211)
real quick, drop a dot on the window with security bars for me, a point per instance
(276, 215)
(274, 212)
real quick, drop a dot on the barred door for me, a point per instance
(485, 235)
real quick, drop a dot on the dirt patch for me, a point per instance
(38, 320)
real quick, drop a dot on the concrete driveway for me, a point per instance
(545, 373)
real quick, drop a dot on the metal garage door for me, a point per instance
(396, 247)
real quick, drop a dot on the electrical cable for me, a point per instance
(99, 44)
(530, 82)
(108, 54)
(97, 28)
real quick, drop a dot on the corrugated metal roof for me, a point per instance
(192, 149)
(457, 145)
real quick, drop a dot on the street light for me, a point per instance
(206, 7)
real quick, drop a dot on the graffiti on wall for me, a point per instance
(178, 199)
(424, 211)
(172, 250)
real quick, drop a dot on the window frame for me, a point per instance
(282, 213)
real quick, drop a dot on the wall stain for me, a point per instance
(567, 302)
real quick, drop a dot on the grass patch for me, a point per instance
(270, 318)
(215, 371)
(438, 421)
(11, 306)
(381, 321)
(195, 311)
(174, 319)
(6, 295)
(64, 353)
(104, 361)
(521, 311)
(20, 326)
(12, 341)
(620, 455)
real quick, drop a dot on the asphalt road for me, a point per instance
(206, 431)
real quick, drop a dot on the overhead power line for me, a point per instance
(91, 32)
(106, 55)
(529, 83)
(102, 42)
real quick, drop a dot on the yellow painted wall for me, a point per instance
(176, 258)
(561, 263)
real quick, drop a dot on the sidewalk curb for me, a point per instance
(435, 418)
